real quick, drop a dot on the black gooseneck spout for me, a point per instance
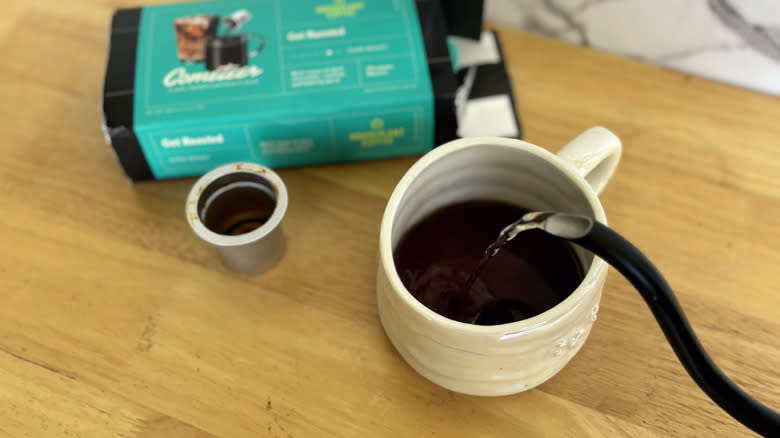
(643, 275)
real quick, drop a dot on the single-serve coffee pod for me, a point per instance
(238, 208)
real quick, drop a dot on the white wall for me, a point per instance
(735, 41)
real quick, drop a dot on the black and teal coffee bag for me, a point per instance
(191, 86)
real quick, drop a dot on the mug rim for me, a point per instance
(435, 155)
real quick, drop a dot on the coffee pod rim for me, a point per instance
(193, 198)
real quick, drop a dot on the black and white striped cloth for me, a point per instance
(484, 102)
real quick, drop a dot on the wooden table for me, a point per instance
(116, 321)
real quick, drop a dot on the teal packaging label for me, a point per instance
(279, 82)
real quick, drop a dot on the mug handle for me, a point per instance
(594, 154)
(259, 48)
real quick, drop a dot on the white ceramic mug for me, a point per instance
(508, 358)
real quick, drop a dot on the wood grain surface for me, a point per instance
(116, 321)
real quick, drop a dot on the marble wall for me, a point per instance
(734, 41)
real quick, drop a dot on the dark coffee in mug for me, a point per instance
(436, 257)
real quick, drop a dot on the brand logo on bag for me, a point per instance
(179, 76)
(378, 135)
(340, 8)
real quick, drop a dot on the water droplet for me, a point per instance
(557, 352)
(595, 309)
(562, 343)
(593, 317)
